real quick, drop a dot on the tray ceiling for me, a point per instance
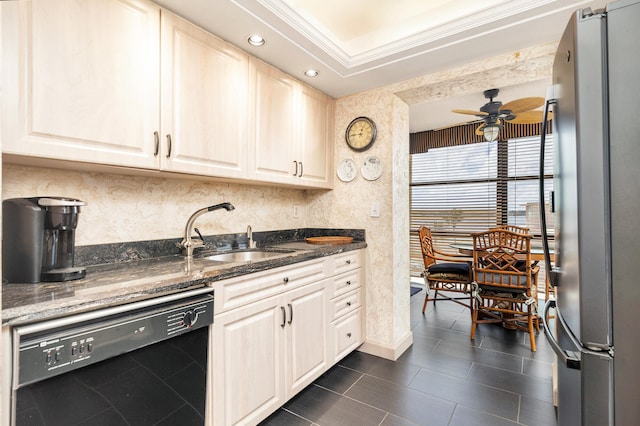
(357, 45)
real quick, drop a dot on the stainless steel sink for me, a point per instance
(253, 255)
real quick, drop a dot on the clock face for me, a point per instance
(360, 134)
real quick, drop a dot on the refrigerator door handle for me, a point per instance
(571, 359)
(551, 271)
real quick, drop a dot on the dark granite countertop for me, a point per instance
(123, 282)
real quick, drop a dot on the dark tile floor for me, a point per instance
(443, 379)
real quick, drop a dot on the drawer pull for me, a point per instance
(348, 282)
(290, 313)
(349, 335)
(348, 303)
(285, 279)
(284, 316)
(348, 262)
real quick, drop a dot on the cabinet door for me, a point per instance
(315, 149)
(307, 323)
(248, 359)
(274, 116)
(204, 102)
(81, 80)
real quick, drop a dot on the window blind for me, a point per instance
(461, 189)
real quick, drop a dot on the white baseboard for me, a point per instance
(391, 353)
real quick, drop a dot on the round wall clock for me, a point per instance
(361, 133)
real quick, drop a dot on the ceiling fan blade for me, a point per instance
(530, 117)
(523, 104)
(469, 112)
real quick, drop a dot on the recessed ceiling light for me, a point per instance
(311, 73)
(255, 40)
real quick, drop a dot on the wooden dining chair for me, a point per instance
(505, 276)
(513, 228)
(445, 272)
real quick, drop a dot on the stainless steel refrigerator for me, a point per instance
(595, 99)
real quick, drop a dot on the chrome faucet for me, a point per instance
(252, 244)
(187, 244)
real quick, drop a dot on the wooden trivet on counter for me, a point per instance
(336, 240)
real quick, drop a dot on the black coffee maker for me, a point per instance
(38, 239)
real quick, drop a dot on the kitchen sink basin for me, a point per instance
(248, 255)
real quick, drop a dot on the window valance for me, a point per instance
(466, 134)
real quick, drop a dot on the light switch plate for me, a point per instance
(375, 209)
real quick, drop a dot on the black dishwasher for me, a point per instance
(142, 363)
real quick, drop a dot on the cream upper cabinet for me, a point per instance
(124, 83)
(316, 138)
(291, 138)
(204, 102)
(274, 103)
(81, 80)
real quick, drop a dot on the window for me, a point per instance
(462, 189)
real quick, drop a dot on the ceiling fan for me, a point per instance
(494, 114)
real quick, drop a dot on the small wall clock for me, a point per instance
(361, 133)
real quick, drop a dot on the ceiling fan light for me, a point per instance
(490, 132)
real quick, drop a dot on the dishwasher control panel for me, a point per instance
(55, 351)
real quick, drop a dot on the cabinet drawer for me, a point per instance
(245, 289)
(345, 283)
(347, 334)
(342, 305)
(347, 261)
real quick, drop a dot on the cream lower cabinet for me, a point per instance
(266, 352)
(275, 332)
(345, 333)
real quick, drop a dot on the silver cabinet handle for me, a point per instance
(296, 172)
(156, 139)
(284, 316)
(348, 262)
(348, 303)
(290, 313)
(285, 280)
(348, 334)
(301, 169)
(168, 145)
(348, 282)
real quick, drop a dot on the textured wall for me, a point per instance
(133, 208)
(349, 205)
